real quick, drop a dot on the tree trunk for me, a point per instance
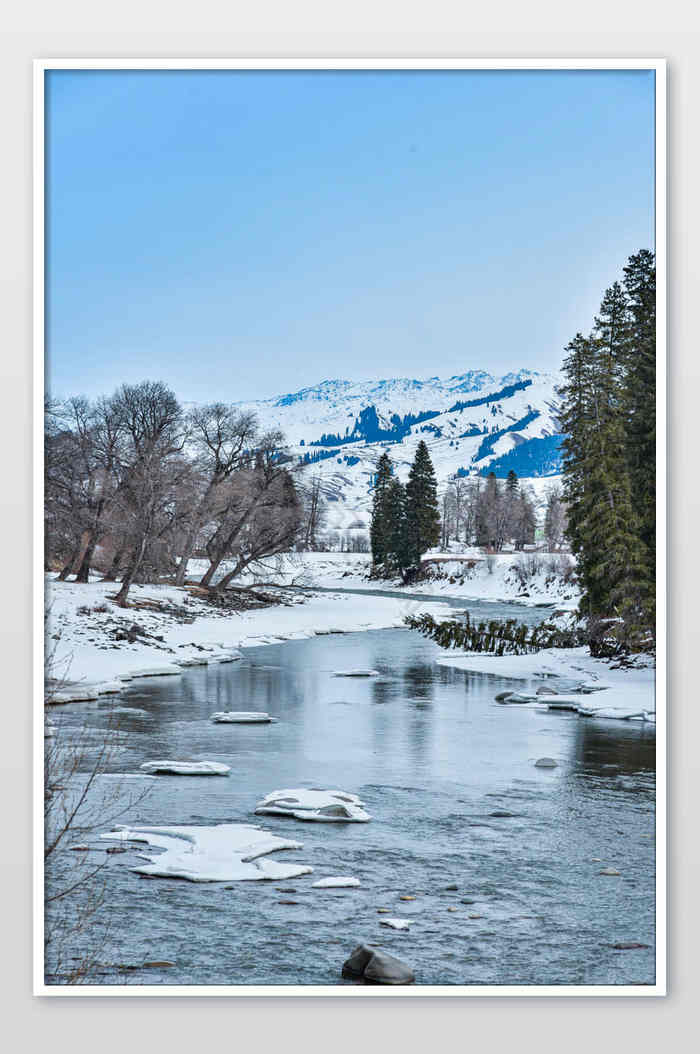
(111, 575)
(84, 569)
(67, 567)
(185, 556)
(128, 578)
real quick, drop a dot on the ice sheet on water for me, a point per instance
(185, 768)
(321, 805)
(336, 883)
(228, 852)
(395, 924)
(167, 670)
(240, 717)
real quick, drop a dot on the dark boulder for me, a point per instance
(376, 967)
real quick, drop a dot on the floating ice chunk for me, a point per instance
(228, 852)
(240, 717)
(611, 713)
(73, 695)
(560, 702)
(168, 670)
(336, 883)
(356, 673)
(396, 924)
(321, 805)
(186, 768)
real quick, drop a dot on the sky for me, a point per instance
(244, 234)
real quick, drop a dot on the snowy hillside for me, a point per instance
(473, 423)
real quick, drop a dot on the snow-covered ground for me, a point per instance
(89, 642)
(629, 688)
(469, 574)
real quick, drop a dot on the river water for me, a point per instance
(433, 758)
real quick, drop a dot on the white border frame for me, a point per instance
(659, 66)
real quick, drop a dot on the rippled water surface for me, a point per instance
(434, 759)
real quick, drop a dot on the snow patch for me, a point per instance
(226, 853)
(185, 768)
(322, 805)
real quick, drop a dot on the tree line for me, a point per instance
(136, 485)
(609, 470)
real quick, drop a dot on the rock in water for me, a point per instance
(376, 967)
(502, 696)
(545, 763)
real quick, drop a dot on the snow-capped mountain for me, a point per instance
(473, 423)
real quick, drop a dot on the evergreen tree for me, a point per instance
(398, 555)
(512, 483)
(640, 393)
(381, 510)
(422, 512)
(604, 530)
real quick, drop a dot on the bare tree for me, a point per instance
(151, 465)
(220, 438)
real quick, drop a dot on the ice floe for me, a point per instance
(336, 883)
(240, 717)
(321, 805)
(228, 852)
(396, 924)
(356, 673)
(185, 768)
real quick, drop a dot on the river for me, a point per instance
(434, 759)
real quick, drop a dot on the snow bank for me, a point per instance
(185, 768)
(336, 883)
(229, 852)
(167, 670)
(240, 717)
(322, 805)
(87, 651)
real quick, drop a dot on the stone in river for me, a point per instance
(502, 812)
(376, 967)
(407, 897)
(288, 902)
(545, 763)
(452, 888)
(501, 696)
(624, 946)
(466, 900)
(608, 871)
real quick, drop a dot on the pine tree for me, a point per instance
(422, 511)
(512, 483)
(381, 510)
(398, 555)
(640, 393)
(603, 528)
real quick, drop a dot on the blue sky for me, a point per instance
(244, 234)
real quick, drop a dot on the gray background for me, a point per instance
(330, 1024)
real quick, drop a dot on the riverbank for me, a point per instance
(519, 578)
(92, 641)
(631, 687)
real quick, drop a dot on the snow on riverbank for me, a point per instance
(631, 688)
(93, 641)
(521, 578)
